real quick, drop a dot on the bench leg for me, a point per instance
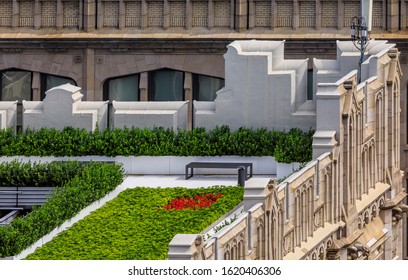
(188, 176)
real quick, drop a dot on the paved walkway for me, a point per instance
(197, 181)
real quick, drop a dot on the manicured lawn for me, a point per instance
(136, 225)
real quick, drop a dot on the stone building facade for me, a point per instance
(347, 203)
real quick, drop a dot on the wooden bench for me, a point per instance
(222, 165)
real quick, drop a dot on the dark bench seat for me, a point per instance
(221, 165)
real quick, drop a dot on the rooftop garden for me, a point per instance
(286, 146)
(140, 223)
(78, 185)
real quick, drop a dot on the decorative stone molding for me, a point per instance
(12, 50)
(77, 59)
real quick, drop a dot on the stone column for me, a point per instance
(37, 14)
(386, 216)
(88, 79)
(188, 93)
(89, 15)
(166, 14)
(15, 20)
(60, 15)
(122, 14)
(189, 14)
(143, 87)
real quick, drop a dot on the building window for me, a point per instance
(206, 87)
(50, 81)
(122, 88)
(15, 85)
(166, 85)
(310, 84)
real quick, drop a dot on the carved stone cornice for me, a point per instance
(12, 50)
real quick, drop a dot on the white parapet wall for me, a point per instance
(8, 114)
(171, 114)
(262, 90)
(63, 106)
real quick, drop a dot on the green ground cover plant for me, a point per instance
(91, 182)
(294, 145)
(137, 225)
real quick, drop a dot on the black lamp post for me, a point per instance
(359, 36)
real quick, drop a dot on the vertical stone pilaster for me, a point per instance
(15, 22)
(340, 18)
(295, 14)
(36, 86)
(232, 14)
(37, 14)
(211, 16)
(166, 14)
(386, 216)
(122, 14)
(392, 16)
(81, 14)
(144, 20)
(89, 12)
(274, 14)
(189, 14)
(251, 13)
(100, 15)
(143, 87)
(318, 23)
(188, 93)
(60, 15)
(88, 79)
(241, 13)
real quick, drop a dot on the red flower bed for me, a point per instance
(197, 202)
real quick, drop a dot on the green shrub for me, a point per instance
(91, 183)
(292, 146)
(136, 226)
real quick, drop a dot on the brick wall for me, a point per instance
(200, 13)
(155, 14)
(307, 14)
(329, 13)
(133, 13)
(177, 13)
(48, 13)
(27, 13)
(111, 14)
(222, 11)
(285, 13)
(6, 10)
(351, 9)
(71, 13)
(263, 13)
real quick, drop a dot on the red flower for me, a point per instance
(199, 201)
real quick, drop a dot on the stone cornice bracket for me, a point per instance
(209, 50)
(12, 50)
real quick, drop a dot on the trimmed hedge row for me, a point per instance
(291, 146)
(91, 183)
(136, 226)
(15, 173)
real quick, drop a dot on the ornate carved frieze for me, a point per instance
(119, 50)
(12, 50)
(163, 50)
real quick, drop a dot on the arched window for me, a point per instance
(206, 87)
(49, 81)
(166, 85)
(124, 88)
(15, 85)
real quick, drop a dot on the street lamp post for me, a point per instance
(359, 36)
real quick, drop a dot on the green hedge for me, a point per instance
(91, 183)
(16, 173)
(136, 226)
(291, 146)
